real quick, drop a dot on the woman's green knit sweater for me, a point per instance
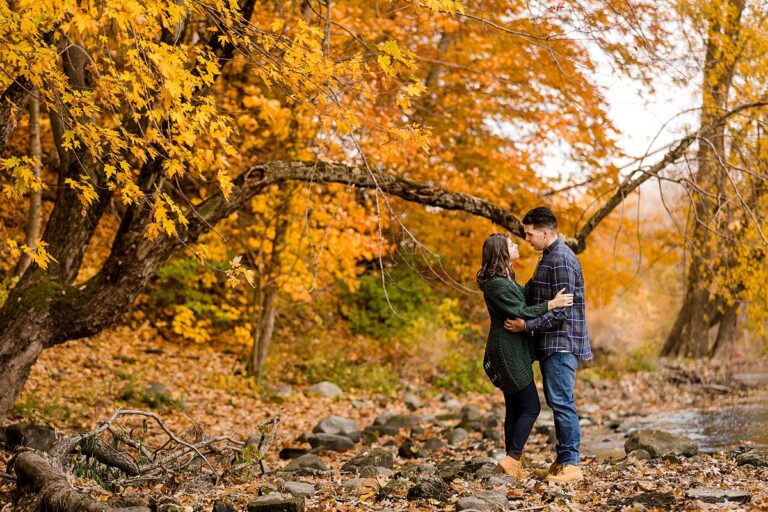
(508, 355)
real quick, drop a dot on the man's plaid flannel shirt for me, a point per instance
(561, 329)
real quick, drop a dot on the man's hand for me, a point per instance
(514, 324)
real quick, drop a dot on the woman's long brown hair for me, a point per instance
(496, 259)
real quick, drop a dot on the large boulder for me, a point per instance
(659, 443)
(339, 426)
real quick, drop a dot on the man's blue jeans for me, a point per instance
(559, 373)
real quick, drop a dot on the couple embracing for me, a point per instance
(543, 320)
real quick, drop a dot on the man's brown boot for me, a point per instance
(565, 474)
(513, 467)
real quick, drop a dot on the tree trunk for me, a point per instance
(35, 197)
(722, 350)
(44, 487)
(265, 307)
(689, 335)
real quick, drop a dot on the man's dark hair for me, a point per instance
(541, 218)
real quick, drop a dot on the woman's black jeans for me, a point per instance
(523, 407)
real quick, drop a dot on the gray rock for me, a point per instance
(375, 472)
(330, 442)
(457, 436)
(339, 426)
(396, 488)
(450, 470)
(276, 505)
(267, 489)
(716, 495)
(325, 388)
(452, 404)
(382, 418)
(639, 454)
(471, 413)
(399, 421)
(497, 500)
(661, 444)
(373, 458)
(753, 458)
(292, 453)
(430, 487)
(500, 480)
(473, 503)
(479, 466)
(357, 404)
(283, 391)
(432, 445)
(156, 388)
(32, 436)
(350, 485)
(309, 460)
(411, 401)
(223, 506)
(299, 489)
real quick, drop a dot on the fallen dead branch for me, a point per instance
(132, 447)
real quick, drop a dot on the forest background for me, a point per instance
(132, 132)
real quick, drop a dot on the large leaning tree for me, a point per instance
(146, 112)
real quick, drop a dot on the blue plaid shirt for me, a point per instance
(561, 329)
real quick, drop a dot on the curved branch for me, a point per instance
(633, 182)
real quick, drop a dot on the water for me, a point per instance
(720, 429)
(715, 429)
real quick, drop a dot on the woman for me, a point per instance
(508, 355)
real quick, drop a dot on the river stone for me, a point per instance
(661, 444)
(377, 457)
(223, 506)
(330, 442)
(267, 489)
(292, 453)
(753, 458)
(307, 461)
(452, 404)
(269, 504)
(339, 426)
(715, 495)
(639, 454)
(375, 472)
(299, 489)
(32, 436)
(468, 503)
(325, 388)
(457, 436)
(397, 488)
(471, 413)
(411, 401)
(400, 421)
(479, 467)
(432, 445)
(283, 391)
(430, 487)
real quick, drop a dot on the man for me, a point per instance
(562, 339)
